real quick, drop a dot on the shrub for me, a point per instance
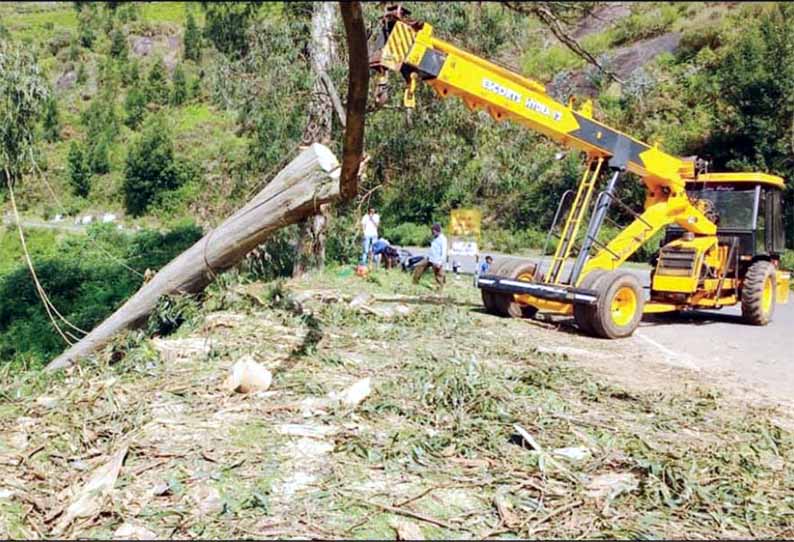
(79, 170)
(408, 234)
(151, 167)
(82, 283)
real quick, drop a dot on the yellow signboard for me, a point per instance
(464, 222)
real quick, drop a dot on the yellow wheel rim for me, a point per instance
(526, 277)
(768, 295)
(624, 306)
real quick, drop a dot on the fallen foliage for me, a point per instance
(439, 421)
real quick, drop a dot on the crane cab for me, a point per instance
(740, 264)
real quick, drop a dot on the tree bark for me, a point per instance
(357, 90)
(310, 250)
(306, 183)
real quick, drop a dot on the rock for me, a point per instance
(207, 499)
(247, 376)
(66, 80)
(142, 46)
(160, 489)
(132, 531)
(611, 485)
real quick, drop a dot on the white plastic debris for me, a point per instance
(611, 485)
(248, 376)
(133, 531)
(355, 394)
(574, 453)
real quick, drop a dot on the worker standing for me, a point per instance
(369, 225)
(437, 258)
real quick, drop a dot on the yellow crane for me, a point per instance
(724, 231)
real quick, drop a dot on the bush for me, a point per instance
(82, 283)
(79, 170)
(408, 234)
(151, 167)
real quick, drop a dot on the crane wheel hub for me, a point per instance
(624, 306)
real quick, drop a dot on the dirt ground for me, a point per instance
(393, 412)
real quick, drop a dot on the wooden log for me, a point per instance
(297, 191)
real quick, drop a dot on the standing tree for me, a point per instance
(157, 83)
(51, 123)
(85, 21)
(23, 91)
(99, 160)
(310, 250)
(192, 38)
(79, 171)
(151, 167)
(179, 87)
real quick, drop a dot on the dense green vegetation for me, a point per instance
(164, 111)
(86, 277)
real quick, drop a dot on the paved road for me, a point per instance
(712, 340)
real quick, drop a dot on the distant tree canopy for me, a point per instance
(151, 167)
(226, 24)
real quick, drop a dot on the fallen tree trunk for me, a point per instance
(297, 192)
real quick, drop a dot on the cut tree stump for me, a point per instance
(296, 192)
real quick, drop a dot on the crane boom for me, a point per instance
(410, 48)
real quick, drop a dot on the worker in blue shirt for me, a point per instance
(437, 258)
(485, 266)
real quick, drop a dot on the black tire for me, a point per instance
(624, 288)
(584, 314)
(760, 279)
(505, 304)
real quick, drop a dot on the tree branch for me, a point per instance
(554, 23)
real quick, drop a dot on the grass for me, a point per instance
(30, 23)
